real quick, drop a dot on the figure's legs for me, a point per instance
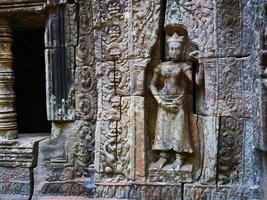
(179, 161)
(163, 160)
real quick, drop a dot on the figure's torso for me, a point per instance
(173, 78)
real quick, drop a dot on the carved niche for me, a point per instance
(176, 139)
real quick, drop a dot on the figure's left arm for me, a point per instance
(199, 75)
(188, 70)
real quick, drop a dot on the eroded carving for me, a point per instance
(172, 87)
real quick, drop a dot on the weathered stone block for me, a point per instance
(231, 146)
(61, 27)
(230, 82)
(207, 92)
(113, 30)
(209, 126)
(143, 27)
(130, 77)
(198, 192)
(59, 83)
(139, 191)
(229, 28)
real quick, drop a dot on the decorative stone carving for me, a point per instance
(198, 17)
(86, 93)
(230, 28)
(172, 87)
(8, 124)
(112, 34)
(145, 16)
(230, 162)
(84, 149)
(199, 192)
(112, 119)
(230, 80)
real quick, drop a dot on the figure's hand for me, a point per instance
(264, 82)
(200, 75)
(195, 54)
(171, 107)
(160, 102)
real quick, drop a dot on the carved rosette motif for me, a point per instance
(86, 96)
(111, 35)
(230, 151)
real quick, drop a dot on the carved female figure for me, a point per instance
(171, 86)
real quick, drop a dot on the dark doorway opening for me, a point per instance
(29, 70)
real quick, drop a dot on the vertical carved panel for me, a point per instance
(60, 42)
(207, 95)
(121, 26)
(229, 27)
(144, 23)
(108, 115)
(230, 102)
(112, 35)
(85, 88)
(230, 150)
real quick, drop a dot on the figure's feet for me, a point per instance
(177, 164)
(159, 164)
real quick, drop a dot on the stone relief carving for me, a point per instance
(229, 162)
(112, 53)
(84, 149)
(229, 23)
(172, 87)
(86, 93)
(197, 16)
(120, 75)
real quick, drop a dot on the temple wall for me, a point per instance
(113, 105)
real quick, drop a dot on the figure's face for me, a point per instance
(175, 50)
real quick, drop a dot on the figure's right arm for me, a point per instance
(153, 84)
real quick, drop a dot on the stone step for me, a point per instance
(16, 151)
(7, 142)
(71, 198)
(22, 197)
(13, 164)
(14, 197)
(16, 156)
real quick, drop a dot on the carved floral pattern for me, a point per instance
(84, 149)
(86, 99)
(198, 17)
(230, 151)
(229, 25)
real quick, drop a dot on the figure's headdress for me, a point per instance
(175, 38)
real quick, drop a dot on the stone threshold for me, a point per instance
(70, 198)
(22, 197)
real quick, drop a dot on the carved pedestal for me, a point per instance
(8, 124)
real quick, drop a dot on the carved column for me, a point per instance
(8, 124)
